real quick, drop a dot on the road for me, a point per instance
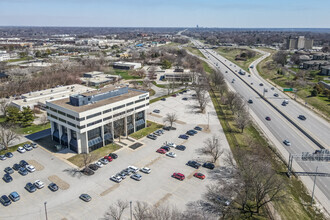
(279, 127)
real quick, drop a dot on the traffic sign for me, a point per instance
(287, 89)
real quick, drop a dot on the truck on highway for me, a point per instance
(241, 72)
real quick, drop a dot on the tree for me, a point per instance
(170, 118)
(223, 88)
(141, 211)
(314, 92)
(280, 57)
(13, 115)
(166, 64)
(119, 128)
(7, 135)
(26, 116)
(3, 107)
(43, 119)
(231, 96)
(116, 210)
(147, 83)
(203, 99)
(242, 119)
(212, 148)
(295, 58)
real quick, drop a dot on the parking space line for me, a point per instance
(163, 199)
(107, 191)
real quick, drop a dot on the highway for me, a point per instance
(279, 126)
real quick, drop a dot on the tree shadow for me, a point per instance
(74, 172)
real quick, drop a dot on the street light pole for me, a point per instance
(314, 186)
(208, 120)
(130, 205)
(45, 204)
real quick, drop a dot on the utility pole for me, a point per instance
(130, 205)
(45, 204)
(208, 120)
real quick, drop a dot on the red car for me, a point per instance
(161, 151)
(268, 118)
(199, 176)
(108, 158)
(174, 95)
(178, 176)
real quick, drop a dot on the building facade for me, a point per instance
(300, 43)
(85, 122)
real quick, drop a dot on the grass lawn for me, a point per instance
(14, 148)
(195, 51)
(207, 67)
(159, 85)
(20, 59)
(125, 74)
(32, 129)
(95, 155)
(2, 119)
(165, 96)
(152, 126)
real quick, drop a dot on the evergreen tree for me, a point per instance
(27, 117)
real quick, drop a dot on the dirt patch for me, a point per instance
(153, 161)
(36, 165)
(205, 128)
(162, 200)
(61, 183)
(109, 190)
(180, 122)
(157, 116)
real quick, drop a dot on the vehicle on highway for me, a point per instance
(171, 154)
(108, 158)
(261, 84)
(7, 178)
(23, 171)
(209, 166)
(16, 166)
(287, 142)
(146, 170)
(93, 167)
(21, 150)
(180, 147)
(178, 176)
(9, 170)
(199, 176)
(53, 187)
(275, 94)
(284, 103)
(156, 111)
(250, 101)
(163, 99)
(184, 136)
(103, 161)
(161, 151)
(249, 75)
(167, 148)
(5, 200)
(233, 81)
(133, 169)
(198, 128)
(268, 118)
(9, 154)
(116, 179)
(23, 163)
(85, 197)
(39, 184)
(302, 117)
(193, 164)
(27, 147)
(30, 187)
(272, 88)
(152, 136)
(14, 196)
(30, 168)
(137, 177)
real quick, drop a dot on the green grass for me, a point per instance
(196, 52)
(32, 129)
(95, 155)
(2, 119)
(152, 126)
(14, 148)
(159, 85)
(207, 67)
(125, 74)
(19, 59)
(165, 96)
(151, 92)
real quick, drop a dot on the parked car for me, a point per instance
(21, 150)
(156, 111)
(209, 166)
(145, 170)
(30, 168)
(302, 117)
(284, 103)
(23, 171)
(23, 163)
(161, 151)
(87, 171)
(152, 136)
(85, 197)
(180, 147)
(3, 157)
(16, 166)
(93, 167)
(103, 161)
(27, 147)
(199, 176)
(116, 178)
(122, 174)
(268, 118)
(171, 154)
(7, 178)
(178, 176)
(9, 170)
(14, 196)
(34, 145)
(5, 200)
(184, 136)
(108, 158)
(185, 98)
(287, 142)
(133, 169)
(163, 99)
(193, 131)
(169, 128)
(9, 154)
(39, 184)
(170, 144)
(167, 148)
(174, 95)
(53, 187)
(159, 132)
(198, 128)
(193, 164)
(30, 187)
(98, 164)
(113, 155)
(137, 177)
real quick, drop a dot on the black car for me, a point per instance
(53, 187)
(87, 171)
(193, 164)
(166, 148)
(113, 155)
(30, 187)
(163, 99)
(9, 154)
(23, 171)
(93, 167)
(168, 128)
(198, 128)
(209, 165)
(16, 166)
(7, 178)
(180, 147)
(5, 200)
(23, 163)
(302, 117)
(9, 170)
(190, 133)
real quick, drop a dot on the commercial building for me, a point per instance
(325, 70)
(126, 65)
(315, 64)
(299, 43)
(85, 122)
(96, 78)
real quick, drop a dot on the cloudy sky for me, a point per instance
(167, 13)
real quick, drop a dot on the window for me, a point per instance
(116, 115)
(147, 98)
(53, 116)
(62, 120)
(81, 119)
(107, 118)
(106, 111)
(93, 115)
(53, 109)
(141, 106)
(62, 113)
(132, 109)
(73, 125)
(70, 116)
(81, 127)
(94, 123)
(118, 107)
(141, 100)
(130, 103)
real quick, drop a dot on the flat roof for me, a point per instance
(65, 103)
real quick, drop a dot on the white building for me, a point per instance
(85, 122)
(4, 55)
(126, 65)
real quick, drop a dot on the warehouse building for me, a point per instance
(85, 122)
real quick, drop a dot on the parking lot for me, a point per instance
(156, 188)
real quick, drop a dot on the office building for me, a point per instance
(299, 43)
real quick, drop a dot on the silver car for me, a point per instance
(137, 177)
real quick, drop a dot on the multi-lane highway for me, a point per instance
(280, 126)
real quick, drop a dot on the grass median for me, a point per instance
(151, 127)
(14, 148)
(165, 96)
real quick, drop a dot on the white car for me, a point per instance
(170, 144)
(98, 164)
(145, 170)
(21, 150)
(116, 178)
(30, 168)
(171, 154)
(39, 184)
(133, 168)
(34, 145)
(287, 142)
(137, 177)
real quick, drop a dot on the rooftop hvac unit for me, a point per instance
(71, 90)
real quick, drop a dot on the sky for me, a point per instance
(167, 13)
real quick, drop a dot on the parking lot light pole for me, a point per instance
(130, 206)
(45, 204)
(208, 120)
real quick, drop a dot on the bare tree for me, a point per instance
(171, 118)
(116, 210)
(7, 135)
(43, 119)
(212, 148)
(238, 104)
(146, 83)
(242, 119)
(223, 88)
(3, 106)
(141, 211)
(87, 159)
(231, 96)
(119, 128)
